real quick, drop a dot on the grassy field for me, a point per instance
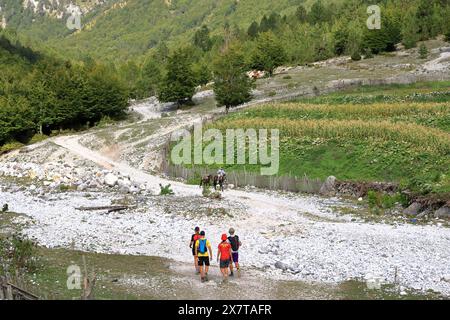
(395, 133)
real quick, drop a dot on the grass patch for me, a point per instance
(405, 141)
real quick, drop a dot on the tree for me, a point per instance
(424, 18)
(179, 83)
(202, 39)
(264, 26)
(232, 86)
(423, 51)
(151, 76)
(269, 53)
(385, 38)
(410, 29)
(253, 30)
(318, 13)
(301, 14)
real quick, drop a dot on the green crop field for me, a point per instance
(404, 141)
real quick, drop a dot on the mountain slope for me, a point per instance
(118, 28)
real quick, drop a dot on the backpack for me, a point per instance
(202, 246)
(234, 241)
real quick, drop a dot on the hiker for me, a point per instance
(201, 249)
(235, 245)
(194, 239)
(221, 172)
(224, 256)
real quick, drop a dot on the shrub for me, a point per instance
(17, 254)
(287, 77)
(356, 56)
(8, 147)
(37, 138)
(206, 191)
(166, 190)
(423, 51)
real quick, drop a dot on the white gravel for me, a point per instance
(301, 232)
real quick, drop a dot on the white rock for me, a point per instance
(111, 180)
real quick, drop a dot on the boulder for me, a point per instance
(443, 212)
(111, 180)
(413, 209)
(82, 187)
(328, 186)
(281, 265)
(124, 183)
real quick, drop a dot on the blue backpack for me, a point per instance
(202, 246)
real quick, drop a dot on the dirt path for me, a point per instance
(301, 232)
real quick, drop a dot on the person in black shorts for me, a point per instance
(194, 239)
(202, 247)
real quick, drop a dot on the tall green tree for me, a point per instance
(232, 86)
(269, 53)
(301, 14)
(180, 81)
(410, 29)
(151, 77)
(253, 30)
(318, 13)
(202, 39)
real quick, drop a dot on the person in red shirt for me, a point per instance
(224, 255)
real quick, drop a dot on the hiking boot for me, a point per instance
(232, 274)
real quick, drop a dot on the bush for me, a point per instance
(17, 254)
(8, 147)
(356, 56)
(423, 51)
(166, 190)
(272, 94)
(287, 77)
(206, 191)
(37, 138)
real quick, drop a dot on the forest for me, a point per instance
(42, 92)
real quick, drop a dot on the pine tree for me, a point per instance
(423, 51)
(179, 83)
(410, 30)
(202, 39)
(253, 30)
(269, 53)
(151, 76)
(318, 13)
(232, 86)
(264, 26)
(301, 14)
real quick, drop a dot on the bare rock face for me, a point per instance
(413, 209)
(328, 186)
(443, 212)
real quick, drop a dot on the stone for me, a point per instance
(111, 180)
(82, 187)
(281, 265)
(413, 209)
(443, 212)
(328, 186)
